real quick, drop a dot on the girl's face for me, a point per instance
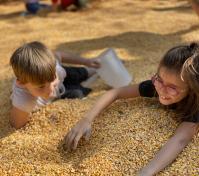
(169, 86)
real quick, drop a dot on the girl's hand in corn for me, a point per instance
(81, 129)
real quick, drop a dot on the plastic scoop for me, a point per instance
(112, 70)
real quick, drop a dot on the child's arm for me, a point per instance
(83, 127)
(171, 149)
(18, 118)
(74, 59)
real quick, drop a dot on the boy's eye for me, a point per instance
(41, 87)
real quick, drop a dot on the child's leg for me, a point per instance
(81, 3)
(74, 76)
(44, 9)
(32, 7)
(92, 77)
(89, 82)
(44, 5)
(91, 71)
(66, 3)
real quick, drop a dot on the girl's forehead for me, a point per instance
(171, 77)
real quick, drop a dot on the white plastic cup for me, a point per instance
(112, 70)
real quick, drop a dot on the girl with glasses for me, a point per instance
(176, 84)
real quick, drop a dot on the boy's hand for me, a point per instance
(82, 128)
(95, 63)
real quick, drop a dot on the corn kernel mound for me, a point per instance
(128, 133)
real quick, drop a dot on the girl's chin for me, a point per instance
(165, 101)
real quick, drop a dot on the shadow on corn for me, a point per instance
(136, 43)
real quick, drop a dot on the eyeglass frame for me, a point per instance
(157, 78)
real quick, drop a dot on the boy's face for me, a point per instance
(44, 91)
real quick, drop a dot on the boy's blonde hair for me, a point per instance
(33, 63)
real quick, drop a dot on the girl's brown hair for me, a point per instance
(34, 63)
(184, 60)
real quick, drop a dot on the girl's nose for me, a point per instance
(163, 89)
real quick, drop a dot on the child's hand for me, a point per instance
(144, 172)
(82, 128)
(95, 63)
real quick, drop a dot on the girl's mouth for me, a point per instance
(164, 98)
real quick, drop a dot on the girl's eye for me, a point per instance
(159, 80)
(172, 90)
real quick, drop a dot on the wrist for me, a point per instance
(88, 119)
(86, 61)
(145, 172)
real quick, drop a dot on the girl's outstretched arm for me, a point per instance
(171, 149)
(83, 127)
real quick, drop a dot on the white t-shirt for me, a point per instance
(23, 100)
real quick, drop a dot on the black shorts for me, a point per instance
(72, 82)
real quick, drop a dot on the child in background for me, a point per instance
(195, 6)
(34, 6)
(41, 79)
(63, 4)
(176, 85)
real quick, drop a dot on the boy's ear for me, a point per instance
(19, 83)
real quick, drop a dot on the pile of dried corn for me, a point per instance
(128, 134)
(124, 138)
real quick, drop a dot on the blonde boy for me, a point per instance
(41, 79)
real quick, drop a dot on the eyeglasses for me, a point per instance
(159, 84)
